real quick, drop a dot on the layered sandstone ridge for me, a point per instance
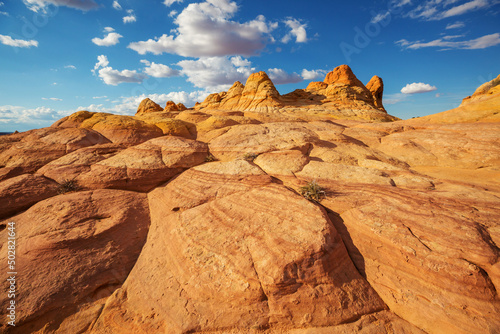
(340, 95)
(482, 106)
(192, 221)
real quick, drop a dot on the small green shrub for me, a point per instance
(210, 158)
(250, 156)
(68, 186)
(312, 191)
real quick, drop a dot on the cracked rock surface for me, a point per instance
(204, 231)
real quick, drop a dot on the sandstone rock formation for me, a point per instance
(147, 106)
(71, 251)
(482, 106)
(192, 221)
(340, 95)
(376, 87)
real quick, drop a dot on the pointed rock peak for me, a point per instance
(181, 107)
(376, 87)
(258, 76)
(342, 75)
(235, 90)
(171, 106)
(237, 84)
(148, 105)
(260, 82)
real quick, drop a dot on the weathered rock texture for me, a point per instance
(73, 250)
(404, 238)
(340, 95)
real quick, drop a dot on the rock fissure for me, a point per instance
(419, 240)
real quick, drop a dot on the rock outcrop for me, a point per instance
(376, 87)
(258, 94)
(193, 221)
(341, 95)
(482, 106)
(488, 88)
(147, 106)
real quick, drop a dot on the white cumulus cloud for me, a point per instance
(169, 3)
(280, 76)
(114, 77)
(206, 30)
(216, 74)
(298, 30)
(112, 38)
(159, 70)
(17, 43)
(116, 5)
(28, 118)
(130, 17)
(417, 87)
(313, 74)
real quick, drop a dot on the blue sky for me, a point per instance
(60, 56)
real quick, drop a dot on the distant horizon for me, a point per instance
(106, 56)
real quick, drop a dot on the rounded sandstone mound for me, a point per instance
(292, 220)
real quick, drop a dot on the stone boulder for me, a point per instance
(20, 192)
(242, 253)
(72, 250)
(145, 166)
(33, 149)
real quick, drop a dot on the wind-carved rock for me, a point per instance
(147, 106)
(341, 94)
(376, 87)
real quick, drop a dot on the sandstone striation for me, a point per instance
(191, 221)
(148, 106)
(341, 95)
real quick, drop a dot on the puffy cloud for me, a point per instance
(128, 105)
(159, 70)
(116, 5)
(206, 30)
(112, 38)
(114, 77)
(22, 118)
(298, 31)
(216, 74)
(130, 17)
(447, 43)
(313, 75)
(280, 77)
(169, 3)
(417, 87)
(17, 43)
(455, 25)
(41, 5)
